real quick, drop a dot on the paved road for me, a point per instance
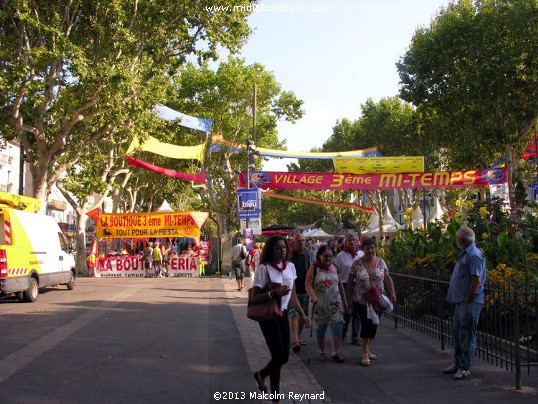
(184, 340)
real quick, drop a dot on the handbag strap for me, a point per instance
(268, 278)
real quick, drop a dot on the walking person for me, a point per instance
(302, 260)
(157, 260)
(148, 259)
(466, 292)
(254, 255)
(344, 259)
(328, 301)
(368, 277)
(239, 256)
(275, 268)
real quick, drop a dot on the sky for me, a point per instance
(334, 55)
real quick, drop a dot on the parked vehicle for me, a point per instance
(33, 250)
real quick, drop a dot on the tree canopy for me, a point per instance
(476, 68)
(75, 73)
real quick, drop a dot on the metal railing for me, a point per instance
(507, 334)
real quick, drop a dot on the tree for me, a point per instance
(75, 73)
(226, 95)
(475, 67)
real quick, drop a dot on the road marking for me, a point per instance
(17, 360)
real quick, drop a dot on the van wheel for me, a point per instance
(71, 284)
(30, 294)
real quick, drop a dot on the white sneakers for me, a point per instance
(459, 374)
(462, 374)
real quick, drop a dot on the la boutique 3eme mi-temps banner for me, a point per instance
(150, 224)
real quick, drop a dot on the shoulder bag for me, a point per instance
(266, 311)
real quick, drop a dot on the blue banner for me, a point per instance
(248, 203)
(168, 114)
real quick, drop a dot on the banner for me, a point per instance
(155, 146)
(150, 224)
(318, 202)
(130, 266)
(168, 114)
(372, 182)
(248, 203)
(219, 140)
(164, 171)
(184, 267)
(379, 165)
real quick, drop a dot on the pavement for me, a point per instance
(408, 369)
(171, 340)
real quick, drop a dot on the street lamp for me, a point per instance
(252, 153)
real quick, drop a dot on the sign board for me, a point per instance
(379, 165)
(254, 224)
(248, 203)
(500, 191)
(534, 192)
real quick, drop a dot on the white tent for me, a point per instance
(165, 207)
(417, 221)
(437, 211)
(317, 233)
(389, 224)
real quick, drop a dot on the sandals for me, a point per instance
(365, 360)
(322, 356)
(338, 358)
(302, 341)
(296, 347)
(260, 382)
(372, 357)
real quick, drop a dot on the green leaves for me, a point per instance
(475, 66)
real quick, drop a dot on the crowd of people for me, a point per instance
(157, 256)
(343, 284)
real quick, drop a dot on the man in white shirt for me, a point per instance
(239, 255)
(344, 260)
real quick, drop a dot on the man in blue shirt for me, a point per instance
(466, 291)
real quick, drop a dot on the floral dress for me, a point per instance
(329, 308)
(365, 278)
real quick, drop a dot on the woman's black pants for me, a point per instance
(277, 337)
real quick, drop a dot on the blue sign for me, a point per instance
(248, 203)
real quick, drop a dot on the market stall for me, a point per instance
(174, 230)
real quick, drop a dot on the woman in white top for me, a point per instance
(275, 268)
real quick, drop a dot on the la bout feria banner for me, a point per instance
(150, 224)
(372, 182)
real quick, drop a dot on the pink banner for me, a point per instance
(165, 171)
(184, 267)
(373, 182)
(126, 266)
(132, 266)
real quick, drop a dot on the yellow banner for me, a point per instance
(379, 165)
(150, 224)
(155, 146)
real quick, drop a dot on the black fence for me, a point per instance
(508, 329)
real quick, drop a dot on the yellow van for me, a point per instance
(33, 250)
